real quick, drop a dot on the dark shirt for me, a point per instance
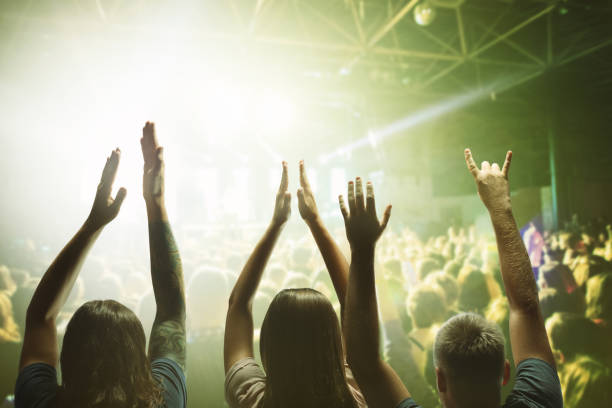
(37, 385)
(537, 386)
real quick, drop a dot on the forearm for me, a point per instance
(248, 281)
(335, 261)
(362, 328)
(516, 269)
(56, 284)
(166, 267)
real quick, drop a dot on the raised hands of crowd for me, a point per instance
(492, 182)
(105, 208)
(40, 340)
(363, 228)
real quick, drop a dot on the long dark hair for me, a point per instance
(104, 362)
(301, 350)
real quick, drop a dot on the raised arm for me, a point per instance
(379, 383)
(238, 342)
(40, 340)
(168, 333)
(335, 261)
(527, 332)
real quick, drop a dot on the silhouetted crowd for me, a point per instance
(421, 283)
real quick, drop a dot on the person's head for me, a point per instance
(426, 266)
(563, 329)
(470, 362)
(9, 332)
(448, 284)
(474, 293)
(207, 291)
(557, 276)
(103, 359)
(599, 297)
(586, 383)
(7, 284)
(426, 306)
(301, 351)
(452, 268)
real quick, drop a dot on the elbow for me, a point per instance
(237, 302)
(37, 317)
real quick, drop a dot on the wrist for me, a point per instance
(91, 227)
(314, 222)
(363, 250)
(277, 225)
(156, 210)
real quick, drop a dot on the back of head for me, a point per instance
(586, 383)
(301, 350)
(474, 293)
(9, 331)
(426, 266)
(469, 351)
(599, 297)
(103, 359)
(426, 305)
(448, 284)
(563, 329)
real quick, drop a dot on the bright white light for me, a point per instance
(424, 13)
(338, 183)
(274, 113)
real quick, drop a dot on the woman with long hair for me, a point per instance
(300, 341)
(104, 362)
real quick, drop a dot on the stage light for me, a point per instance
(274, 112)
(424, 13)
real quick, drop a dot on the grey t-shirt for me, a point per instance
(245, 383)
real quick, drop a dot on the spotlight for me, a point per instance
(424, 13)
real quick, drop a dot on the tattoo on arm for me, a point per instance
(168, 333)
(166, 272)
(168, 341)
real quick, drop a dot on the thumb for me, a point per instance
(119, 199)
(300, 195)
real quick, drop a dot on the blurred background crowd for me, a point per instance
(422, 282)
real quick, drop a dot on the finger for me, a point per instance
(149, 141)
(471, 164)
(351, 197)
(109, 173)
(370, 203)
(485, 165)
(359, 195)
(506, 167)
(284, 179)
(303, 177)
(495, 167)
(343, 209)
(386, 216)
(119, 199)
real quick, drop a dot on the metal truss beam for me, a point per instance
(391, 22)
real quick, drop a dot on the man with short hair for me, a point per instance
(468, 349)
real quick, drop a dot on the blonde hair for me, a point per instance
(9, 331)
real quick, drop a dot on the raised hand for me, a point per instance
(153, 177)
(105, 208)
(306, 201)
(282, 209)
(492, 182)
(362, 225)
